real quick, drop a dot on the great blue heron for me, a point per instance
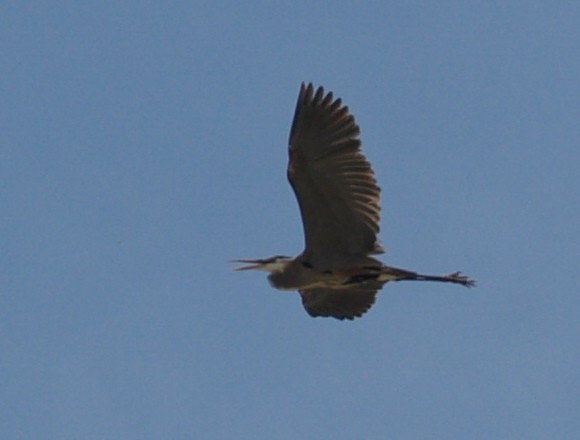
(339, 201)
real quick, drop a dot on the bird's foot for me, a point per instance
(456, 277)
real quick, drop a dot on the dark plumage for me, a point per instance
(338, 196)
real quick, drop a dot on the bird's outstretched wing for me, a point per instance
(340, 304)
(333, 182)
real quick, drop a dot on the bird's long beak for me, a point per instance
(253, 264)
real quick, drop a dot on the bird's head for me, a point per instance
(273, 264)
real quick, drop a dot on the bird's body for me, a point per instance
(301, 274)
(338, 196)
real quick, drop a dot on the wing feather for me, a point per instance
(333, 182)
(339, 304)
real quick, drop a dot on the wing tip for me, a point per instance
(311, 95)
(340, 305)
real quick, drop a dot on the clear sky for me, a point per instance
(143, 144)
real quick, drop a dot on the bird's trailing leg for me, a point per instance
(455, 277)
(393, 274)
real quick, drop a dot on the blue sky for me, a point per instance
(143, 144)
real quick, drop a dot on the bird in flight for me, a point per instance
(336, 274)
